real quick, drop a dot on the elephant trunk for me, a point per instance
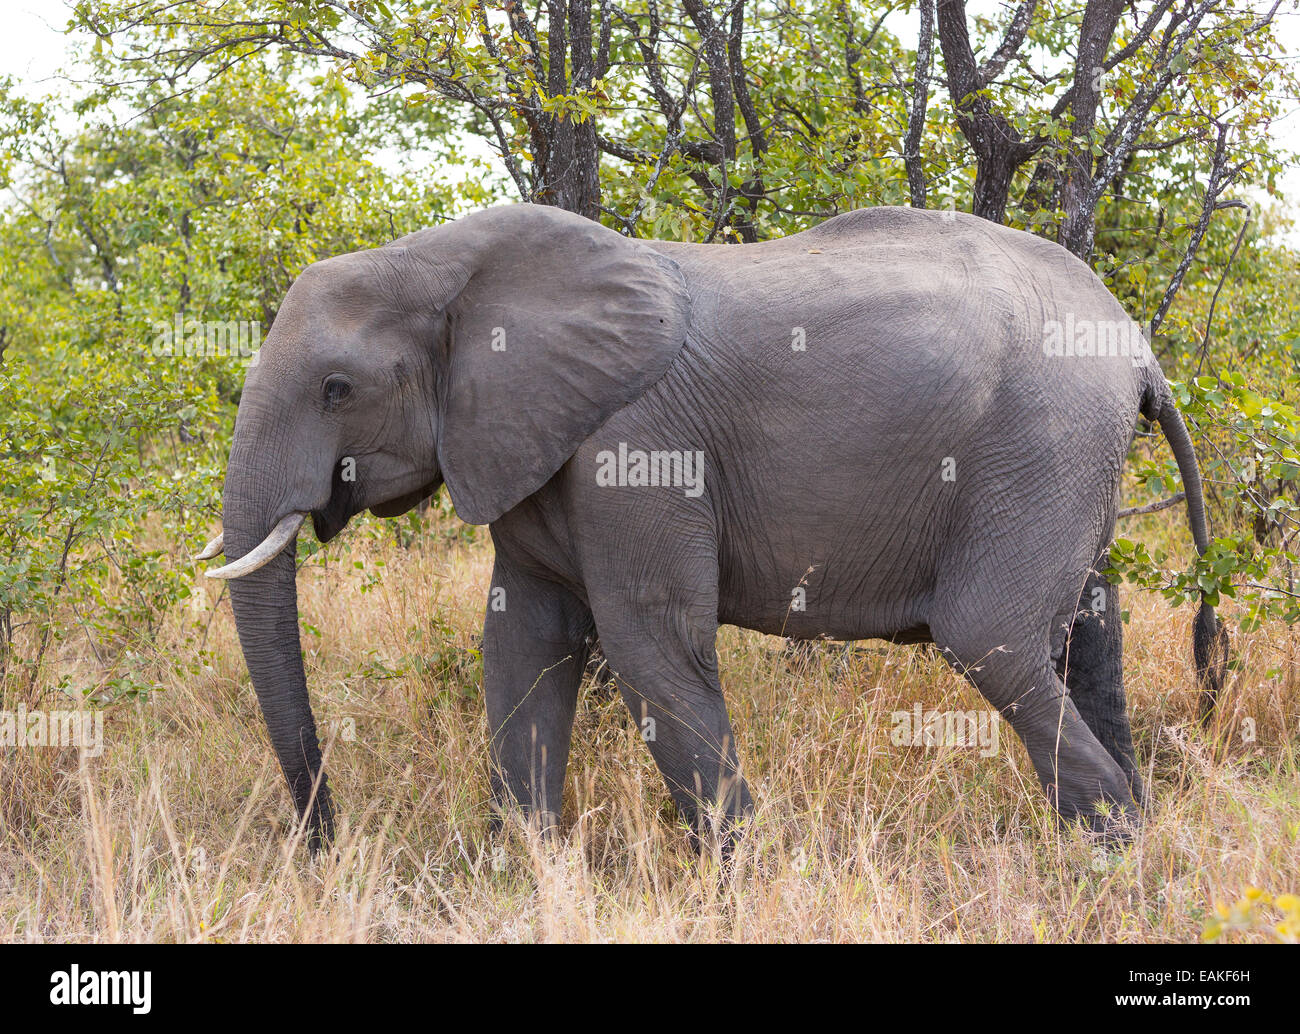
(265, 604)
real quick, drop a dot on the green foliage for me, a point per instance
(1256, 912)
(198, 214)
(1253, 457)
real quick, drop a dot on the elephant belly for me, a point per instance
(811, 586)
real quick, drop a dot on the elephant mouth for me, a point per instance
(397, 507)
(345, 503)
(330, 519)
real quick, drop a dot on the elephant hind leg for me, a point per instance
(1081, 780)
(1091, 665)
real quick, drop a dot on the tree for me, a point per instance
(1178, 73)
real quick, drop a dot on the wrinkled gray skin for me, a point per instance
(923, 342)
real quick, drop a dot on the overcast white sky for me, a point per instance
(32, 48)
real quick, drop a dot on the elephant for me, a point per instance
(899, 424)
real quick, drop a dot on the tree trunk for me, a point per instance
(1079, 195)
(993, 178)
(568, 172)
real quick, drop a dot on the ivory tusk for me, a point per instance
(214, 548)
(266, 551)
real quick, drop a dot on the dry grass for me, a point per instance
(179, 831)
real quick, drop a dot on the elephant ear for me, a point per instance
(559, 324)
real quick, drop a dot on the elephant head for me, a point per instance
(480, 354)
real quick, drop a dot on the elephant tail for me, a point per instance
(1209, 637)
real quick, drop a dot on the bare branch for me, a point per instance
(920, 99)
(1163, 504)
(1011, 42)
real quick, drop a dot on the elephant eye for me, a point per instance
(336, 391)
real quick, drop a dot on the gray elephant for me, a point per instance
(900, 424)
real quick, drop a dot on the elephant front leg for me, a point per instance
(689, 735)
(534, 653)
(666, 670)
(649, 559)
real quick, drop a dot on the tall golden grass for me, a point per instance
(182, 829)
